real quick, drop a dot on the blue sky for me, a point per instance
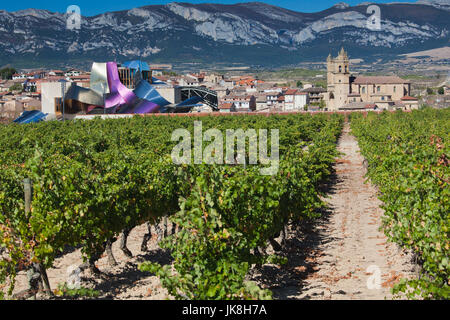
(93, 7)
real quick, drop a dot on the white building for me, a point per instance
(242, 103)
(19, 76)
(295, 100)
(72, 73)
(188, 81)
(51, 96)
(272, 97)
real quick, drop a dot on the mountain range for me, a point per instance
(254, 33)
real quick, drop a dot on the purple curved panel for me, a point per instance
(125, 109)
(119, 93)
(145, 106)
(113, 99)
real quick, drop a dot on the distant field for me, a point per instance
(438, 54)
(291, 74)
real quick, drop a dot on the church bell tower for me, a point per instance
(338, 80)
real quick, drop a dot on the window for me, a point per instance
(364, 90)
(340, 69)
(58, 104)
(346, 68)
(395, 89)
(378, 89)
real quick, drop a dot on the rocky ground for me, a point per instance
(332, 258)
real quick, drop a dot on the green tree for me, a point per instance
(322, 104)
(16, 87)
(299, 84)
(6, 73)
(441, 90)
(169, 73)
(321, 83)
(430, 91)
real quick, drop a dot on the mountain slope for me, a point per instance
(252, 33)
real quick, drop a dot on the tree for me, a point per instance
(321, 83)
(6, 73)
(322, 104)
(430, 91)
(441, 90)
(16, 87)
(299, 84)
(169, 73)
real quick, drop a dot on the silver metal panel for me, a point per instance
(99, 78)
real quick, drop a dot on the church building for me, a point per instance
(347, 92)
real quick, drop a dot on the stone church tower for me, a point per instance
(338, 77)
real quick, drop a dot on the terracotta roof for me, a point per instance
(228, 105)
(379, 80)
(408, 98)
(291, 92)
(238, 98)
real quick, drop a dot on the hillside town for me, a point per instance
(43, 90)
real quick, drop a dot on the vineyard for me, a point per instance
(93, 179)
(408, 159)
(83, 184)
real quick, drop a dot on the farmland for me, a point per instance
(314, 222)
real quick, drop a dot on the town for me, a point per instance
(55, 93)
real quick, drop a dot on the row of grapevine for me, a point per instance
(91, 179)
(408, 155)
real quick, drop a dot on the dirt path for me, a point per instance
(335, 258)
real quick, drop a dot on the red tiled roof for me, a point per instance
(226, 105)
(238, 98)
(408, 98)
(291, 92)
